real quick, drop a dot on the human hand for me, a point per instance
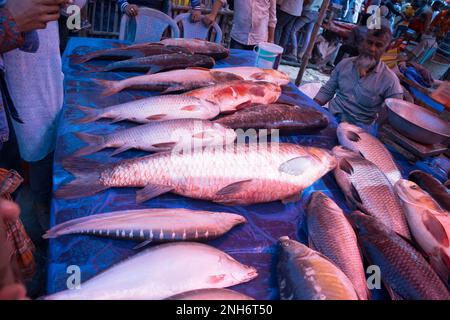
(13, 292)
(209, 19)
(9, 210)
(196, 15)
(30, 15)
(132, 10)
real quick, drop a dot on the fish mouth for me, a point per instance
(251, 274)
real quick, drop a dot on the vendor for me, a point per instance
(362, 83)
(254, 21)
(131, 7)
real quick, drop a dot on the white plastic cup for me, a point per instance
(268, 55)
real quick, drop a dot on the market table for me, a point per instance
(253, 243)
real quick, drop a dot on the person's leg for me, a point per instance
(286, 35)
(309, 26)
(298, 24)
(283, 19)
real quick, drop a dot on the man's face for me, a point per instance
(374, 46)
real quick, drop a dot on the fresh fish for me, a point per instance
(433, 186)
(233, 174)
(162, 62)
(161, 272)
(366, 187)
(159, 136)
(429, 224)
(331, 234)
(257, 74)
(403, 269)
(305, 274)
(236, 95)
(170, 81)
(125, 52)
(370, 148)
(276, 116)
(211, 294)
(197, 46)
(156, 108)
(152, 225)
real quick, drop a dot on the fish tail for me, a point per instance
(87, 178)
(90, 114)
(95, 143)
(111, 87)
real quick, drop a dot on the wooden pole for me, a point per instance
(312, 41)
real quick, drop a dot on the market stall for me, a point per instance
(253, 243)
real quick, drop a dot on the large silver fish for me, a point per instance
(429, 224)
(235, 174)
(366, 187)
(211, 294)
(163, 271)
(356, 139)
(154, 109)
(331, 234)
(152, 225)
(159, 136)
(305, 274)
(405, 272)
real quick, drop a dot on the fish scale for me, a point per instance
(373, 188)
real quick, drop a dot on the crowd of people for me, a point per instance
(31, 78)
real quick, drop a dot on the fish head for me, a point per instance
(319, 201)
(349, 135)
(272, 76)
(234, 272)
(410, 193)
(210, 109)
(290, 248)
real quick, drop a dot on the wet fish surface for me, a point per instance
(367, 188)
(152, 225)
(158, 108)
(159, 136)
(236, 95)
(163, 271)
(276, 116)
(356, 139)
(305, 274)
(429, 224)
(404, 270)
(433, 186)
(211, 294)
(331, 234)
(198, 46)
(162, 62)
(237, 174)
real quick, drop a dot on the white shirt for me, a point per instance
(35, 82)
(293, 7)
(252, 19)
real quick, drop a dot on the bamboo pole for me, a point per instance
(312, 41)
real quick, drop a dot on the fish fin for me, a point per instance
(142, 244)
(222, 76)
(151, 191)
(87, 178)
(436, 229)
(295, 166)
(111, 87)
(121, 149)
(190, 108)
(244, 105)
(164, 145)
(156, 117)
(95, 143)
(233, 188)
(90, 114)
(353, 136)
(118, 119)
(355, 194)
(216, 279)
(155, 69)
(292, 198)
(345, 166)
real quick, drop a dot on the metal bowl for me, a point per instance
(417, 123)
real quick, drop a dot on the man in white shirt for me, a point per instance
(287, 11)
(254, 21)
